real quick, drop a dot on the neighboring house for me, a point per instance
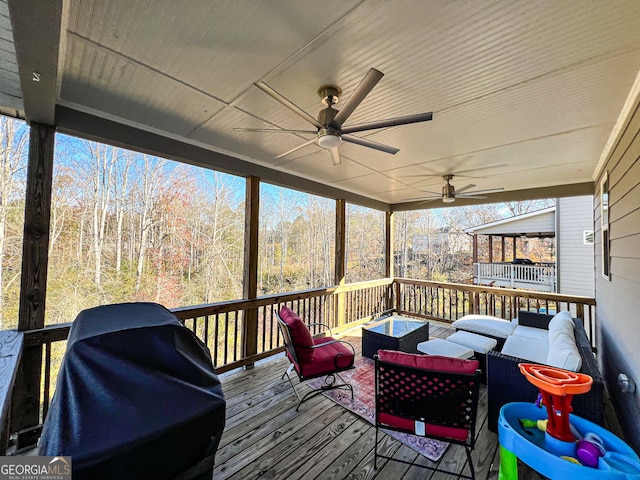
(454, 241)
(569, 224)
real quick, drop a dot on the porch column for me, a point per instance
(514, 247)
(33, 281)
(250, 274)
(389, 256)
(502, 249)
(340, 259)
(490, 248)
(475, 248)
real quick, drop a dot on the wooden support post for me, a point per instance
(475, 248)
(514, 247)
(250, 274)
(33, 281)
(502, 257)
(389, 256)
(490, 248)
(340, 260)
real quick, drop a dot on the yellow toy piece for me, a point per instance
(570, 459)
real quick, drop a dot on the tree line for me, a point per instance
(127, 226)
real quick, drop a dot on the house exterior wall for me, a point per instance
(618, 297)
(575, 272)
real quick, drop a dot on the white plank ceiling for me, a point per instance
(524, 95)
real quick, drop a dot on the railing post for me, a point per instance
(33, 282)
(398, 296)
(512, 274)
(340, 259)
(389, 256)
(250, 274)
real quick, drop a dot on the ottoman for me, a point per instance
(478, 343)
(439, 346)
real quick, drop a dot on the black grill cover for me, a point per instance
(137, 396)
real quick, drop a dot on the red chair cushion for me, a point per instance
(300, 335)
(386, 419)
(327, 359)
(429, 362)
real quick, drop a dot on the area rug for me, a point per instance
(363, 405)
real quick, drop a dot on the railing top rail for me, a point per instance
(501, 291)
(57, 332)
(244, 304)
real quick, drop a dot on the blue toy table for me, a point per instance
(530, 446)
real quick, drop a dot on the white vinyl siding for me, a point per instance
(618, 299)
(575, 258)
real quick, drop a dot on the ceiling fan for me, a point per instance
(450, 193)
(330, 132)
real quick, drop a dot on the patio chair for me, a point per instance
(427, 395)
(313, 357)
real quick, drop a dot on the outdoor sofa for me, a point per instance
(505, 382)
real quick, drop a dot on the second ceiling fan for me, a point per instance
(330, 132)
(450, 193)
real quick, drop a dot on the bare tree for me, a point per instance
(120, 195)
(150, 171)
(526, 206)
(13, 149)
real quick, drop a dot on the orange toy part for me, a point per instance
(557, 387)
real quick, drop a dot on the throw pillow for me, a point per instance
(485, 324)
(300, 335)
(563, 353)
(561, 323)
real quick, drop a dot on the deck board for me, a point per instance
(266, 438)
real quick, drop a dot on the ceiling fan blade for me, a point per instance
(369, 81)
(290, 105)
(466, 187)
(430, 200)
(296, 148)
(273, 130)
(469, 195)
(414, 199)
(482, 192)
(390, 122)
(335, 156)
(370, 143)
(435, 194)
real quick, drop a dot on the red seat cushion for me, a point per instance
(386, 419)
(300, 335)
(429, 362)
(328, 358)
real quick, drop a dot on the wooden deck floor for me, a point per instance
(265, 437)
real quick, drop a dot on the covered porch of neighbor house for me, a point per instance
(507, 262)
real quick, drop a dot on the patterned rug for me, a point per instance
(363, 405)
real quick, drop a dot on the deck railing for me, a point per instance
(222, 325)
(541, 276)
(448, 302)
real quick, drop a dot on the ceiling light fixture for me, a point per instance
(329, 138)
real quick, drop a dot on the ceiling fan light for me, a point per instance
(447, 199)
(329, 141)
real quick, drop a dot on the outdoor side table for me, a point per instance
(393, 333)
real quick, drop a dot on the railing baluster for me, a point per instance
(47, 380)
(206, 330)
(216, 329)
(226, 337)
